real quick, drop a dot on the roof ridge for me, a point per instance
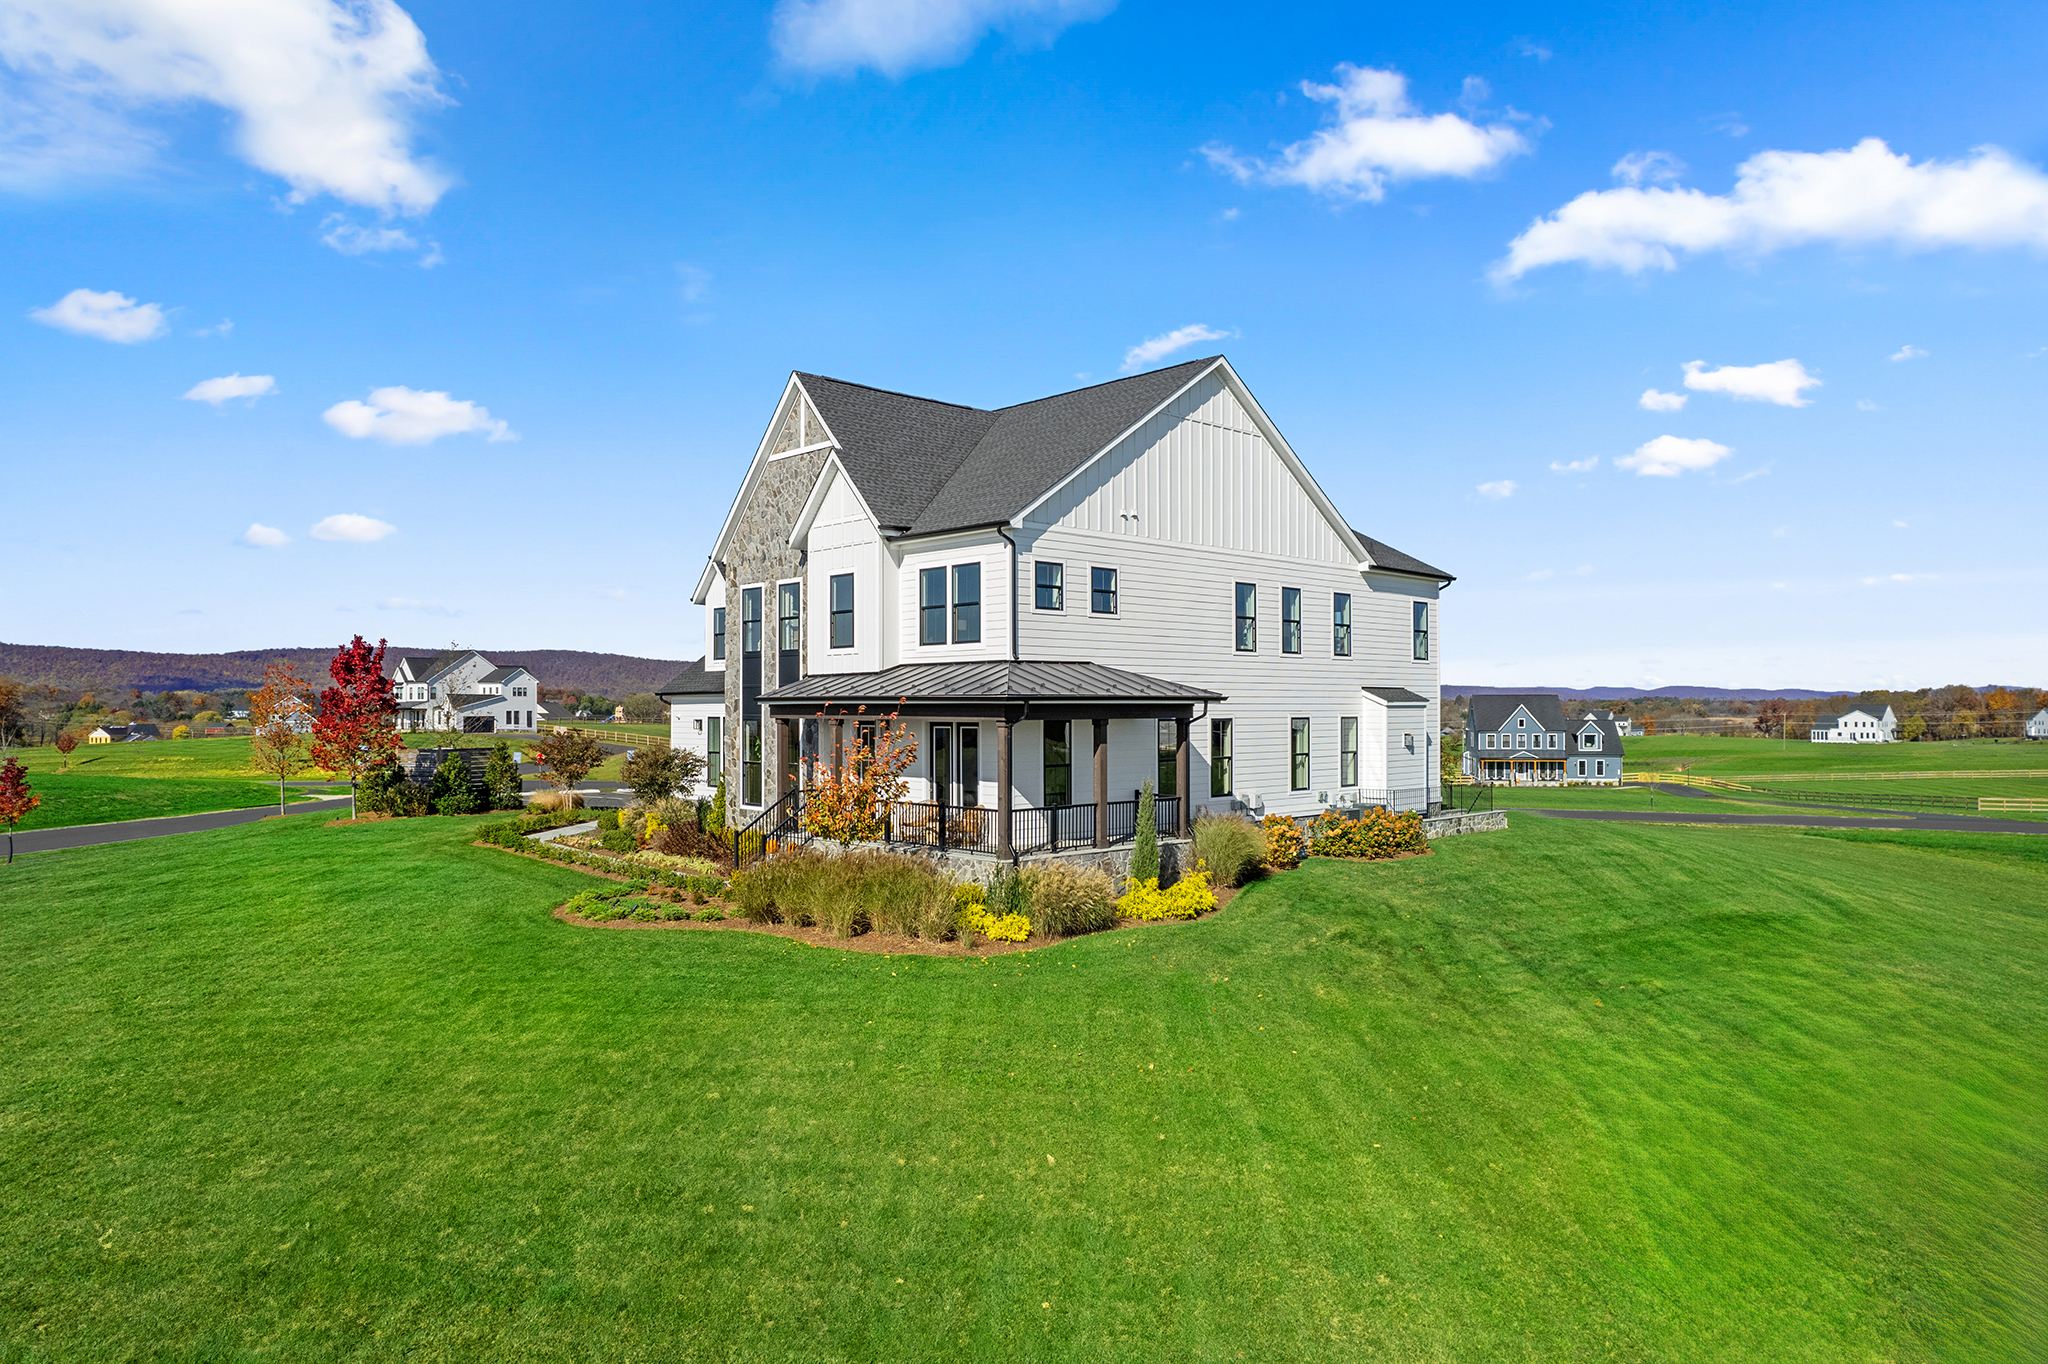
(891, 392)
(1110, 383)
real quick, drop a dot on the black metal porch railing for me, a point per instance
(968, 828)
(1423, 798)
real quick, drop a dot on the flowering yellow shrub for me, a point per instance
(975, 918)
(1184, 899)
(1283, 842)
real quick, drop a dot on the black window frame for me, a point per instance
(1340, 624)
(1097, 592)
(1054, 591)
(1169, 759)
(1064, 745)
(750, 626)
(1347, 750)
(1222, 758)
(838, 587)
(1421, 624)
(1300, 753)
(931, 615)
(718, 634)
(1247, 618)
(789, 616)
(750, 762)
(1290, 620)
(966, 614)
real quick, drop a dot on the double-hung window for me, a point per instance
(1102, 591)
(1298, 746)
(931, 606)
(714, 748)
(1340, 624)
(789, 633)
(1247, 618)
(1220, 758)
(967, 603)
(1290, 620)
(718, 634)
(841, 602)
(750, 620)
(1347, 739)
(1051, 584)
(1421, 630)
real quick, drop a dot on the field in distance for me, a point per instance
(1735, 758)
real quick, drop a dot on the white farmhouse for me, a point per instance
(460, 689)
(1061, 600)
(1861, 724)
(2037, 724)
(696, 718)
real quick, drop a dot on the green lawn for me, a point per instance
(1732, 758)
(227, 757)
(1627, 798)
(84, 798)
(1572, 1091)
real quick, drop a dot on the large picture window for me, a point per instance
(1340, 625)
(718, 634)
(931, 606)
(1102, 591)
(1059, 764)
(1221, 755)
(1347, 758)
(1051, 585)
(1290, 620)
(842, 610)
(1298, 753)
(967, 603)
(1247, 618)
(1422, 629)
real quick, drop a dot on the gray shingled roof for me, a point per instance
(994, 680)
(1394, 561)
(695, 680)
(1399, 696)
(1491, 712)
(502, 674)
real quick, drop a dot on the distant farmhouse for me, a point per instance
(696, 718)
(2037, 724)
(1525, 739)
(1864, 724)
(123, 734)
(462, 690)
(1623, 726)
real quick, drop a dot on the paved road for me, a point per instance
(1924, 823)
(128, 830)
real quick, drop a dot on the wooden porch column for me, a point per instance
(1004, 849)
(778, 738)
(1180, 777)
(1102, 783)
(835, 745)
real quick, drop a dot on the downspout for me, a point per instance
(1004, 531)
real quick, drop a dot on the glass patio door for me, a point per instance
(942, 765)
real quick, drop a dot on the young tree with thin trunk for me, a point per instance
(65, 743)
(356, 728)
(567, 756)
(851, 805)
(16, 800)
(278, 715)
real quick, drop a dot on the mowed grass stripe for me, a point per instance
(1569, 1090)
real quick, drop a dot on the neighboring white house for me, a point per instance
(462, 690)
(1061, 600)
(696, 718)
(2037, 725)
(1623, 726)
(1872, 724)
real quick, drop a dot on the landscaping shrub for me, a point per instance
(501, 778)
(1184, 899)
(1006, 893)
(847, 892)
(607, 820)
(407, 799)
(1145, 851)
(710, 916)
(1379, 832)
(374, 791)
(1232, 847)
(1067, 899)
(1001, 928)
(552, 801)
(451, 792)
(1283, 842)
(618, 841)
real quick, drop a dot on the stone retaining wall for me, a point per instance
(1470, 822)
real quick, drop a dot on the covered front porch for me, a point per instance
(1013, 757)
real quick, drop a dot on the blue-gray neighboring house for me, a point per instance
(1527, 740)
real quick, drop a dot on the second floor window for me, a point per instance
(718, 633)
(789, 616)
(1220, 756)
(1290, 620)
(966, 603)
(1247, 618)
(750, 620)
(1340, 625)
(842, 610)
(931, 606)
(1421, 629)
(1102, 591)
(1051, 586)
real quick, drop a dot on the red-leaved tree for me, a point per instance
(356, 728)
(852, 803)
(16, 800)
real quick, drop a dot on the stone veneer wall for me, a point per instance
(760, 552)
(1469, 822)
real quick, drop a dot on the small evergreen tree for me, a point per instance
(1145, 855)
(718, 805)
(501, 777)
(452, 792)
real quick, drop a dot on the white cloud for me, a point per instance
(323, 91)
(1654, 401)
(1670, 456)
(1377, 137)
(218, 391)
(405, 416)
(351, 527)
(1657, 167)
(109, 316)
(1900, 524)
(1899, 578)
(896, 37)
(1908, 353)
(1779, 382)
(225, 327)
(1498, 489)
(268, 537)
(1539, 575)
(1864, 195)
(353, 239)
(427, 608)
(1577, 466)
(1159, 347)
(1529, 47)
(1865, 405)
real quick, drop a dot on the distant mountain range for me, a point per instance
(112, 670)
(1631, 693)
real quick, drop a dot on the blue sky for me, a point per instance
(526, 282)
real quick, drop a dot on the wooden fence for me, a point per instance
(615, 736)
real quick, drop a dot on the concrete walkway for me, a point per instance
(1948, 824)
(128, 830)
